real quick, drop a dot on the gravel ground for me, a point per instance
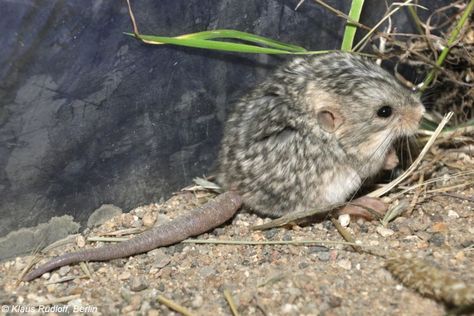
(328, 279)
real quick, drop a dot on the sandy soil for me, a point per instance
(318, 279)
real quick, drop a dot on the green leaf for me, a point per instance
(197, 40)
(350, 31)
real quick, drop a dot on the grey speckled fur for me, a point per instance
(277, 153)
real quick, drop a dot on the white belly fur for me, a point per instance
(340, 185)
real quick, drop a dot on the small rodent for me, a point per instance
(306, 137)
(309, 135)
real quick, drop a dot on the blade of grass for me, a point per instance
(416, 19)
(243, 36)
(451, 40)
(217, 45)
(207, 44)
(350, 31)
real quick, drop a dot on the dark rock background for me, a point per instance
(90, 116)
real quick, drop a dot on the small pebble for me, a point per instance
(124, 275)
(423, 235)
(80, 241)
(289, 309)
(197, 301)
(324, 256)
(437, 239)
(452, 214)
(384, 232)
(345, 264)
(138, 284)
(334, 301)
(149, 220)
(153, 312)
(317, 248)
(344, 220)
(64, 270)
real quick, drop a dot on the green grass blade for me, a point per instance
(243, 36)
(451, 40)
(217, 45)
(350, 30)
(208, 44)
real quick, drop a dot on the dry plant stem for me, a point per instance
(231, 302)
(132, 19)
(292, 218)
(452, 187)
(387, 16)
(195, 222)
(174, 306)
(456, 175)
(416, 195)
(341, 14)
(395, 212)
(345, 234)
(58, 300)
(459, 196)
(414, 165)
(269, 242)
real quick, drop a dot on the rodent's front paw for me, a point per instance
(391, 160)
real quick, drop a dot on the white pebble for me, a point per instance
(453, 214)
(344, 220)
(384, 232)
(345, 264)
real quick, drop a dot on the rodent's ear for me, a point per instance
(329, 119)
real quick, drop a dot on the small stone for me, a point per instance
(51, 288)
(344, 220)
(135, 302)
(127, 220)
(423, 235)
(124, 275)
(80, 241)
(153, 312)
(460, 256)
(289, 309)
(334, 301)
(197, 301)
(404, 230)
(46, 275)
(303, 265)
(149, 219)
(269, 234)
(394, 244)
(140, 212)
(160, 258)
(137, 223)
(439, 227)
(64, 270)
(317, 248)
(452, 214)
(384, 232)
(437, 239)
(207, 271)
(345, 264)
(324, 256)
(138, 284)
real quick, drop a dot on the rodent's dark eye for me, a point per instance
(384, 111)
